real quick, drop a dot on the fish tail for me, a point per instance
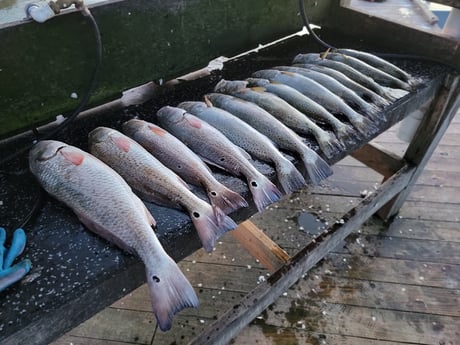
(363, 125)
(344, 132)
(264, 192)
(372, 111)
(317, 168)
(329, 144)
(289, 177)
(170, 291)
(225, 199)
(210, 223)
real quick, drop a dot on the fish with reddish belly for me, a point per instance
(174, 154)
(104, 202)
(215, 148)
(155, 182)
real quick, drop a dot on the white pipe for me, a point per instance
(40, 11)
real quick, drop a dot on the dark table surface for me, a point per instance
(75, 273)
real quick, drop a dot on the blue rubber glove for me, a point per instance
(10, 273)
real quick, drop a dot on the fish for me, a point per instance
(316, 167)
(105, 204)
(154, 182)
(284, 112)
(174, 154)
(377, 62)
(214, 147)
(360, 90)
(319, 94)
(349, 96)
(379, 76)
(350, 72)
(304, 104)
(249, 139)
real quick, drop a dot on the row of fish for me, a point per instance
(242, 119)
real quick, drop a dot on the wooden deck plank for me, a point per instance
(372, 323)
(393, 270)
(381, 295)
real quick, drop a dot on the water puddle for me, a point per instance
(310, 223)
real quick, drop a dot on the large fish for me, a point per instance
(215, 148)
(249, 139)
(319, 94)
(360, 90)
(104, 202)
(349, 96)
(304, 104)
(377, 62)
(379, 76)
(174, 154)
(275, 130)
(154, 182)
(283, 111)
(350, 72)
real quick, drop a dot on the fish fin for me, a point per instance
(170, 291)
(289, 177)
(74, 157)
(345, 133)
(244, 152)
(14, 273)
(157, 130)
(329, 145)
(104, 233)
(317, 168)
(149, 216)
(264, 192)
(194, 122)
(210, 223)
(225, 199)
(207, 101)
(122, 143)
(210, 162)
(149, 195)
(258, 89)
(363, 125)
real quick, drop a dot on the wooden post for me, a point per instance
(379, 159)
(429, 133)
(260, 246)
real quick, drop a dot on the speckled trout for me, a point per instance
(104, 202)
(249, 139)
(350, 72)
(377, 62)
(215, 148)
(156, 183)
(283, 111)
(319, 94)
(317, 169)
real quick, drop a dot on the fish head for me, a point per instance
(226, 86)
(107, 139)
(48, 155)
(170, 115)
(45, 150)
(131, 127)
(257, 82)
(99, 135)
